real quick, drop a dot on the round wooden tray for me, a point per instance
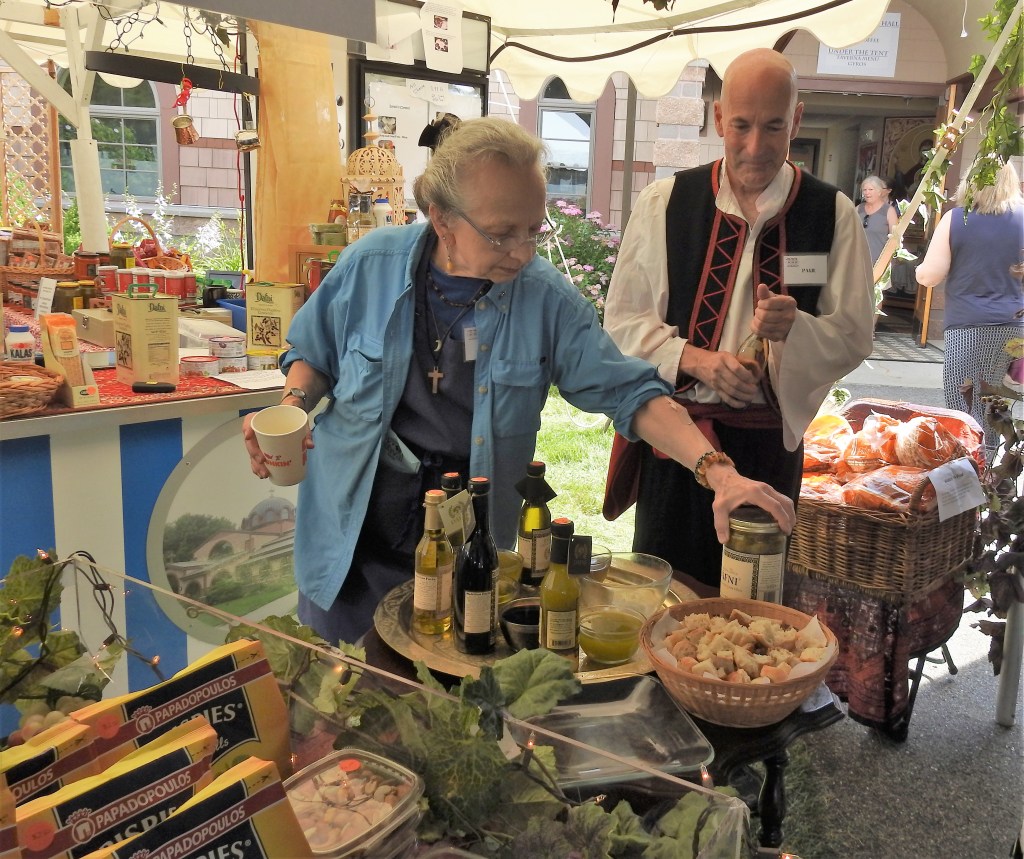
(393, 616)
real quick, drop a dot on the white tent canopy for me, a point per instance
(582, 43)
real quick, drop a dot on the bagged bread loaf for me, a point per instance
(891, 488)
(923, 442)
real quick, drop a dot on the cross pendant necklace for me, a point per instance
(436, 375)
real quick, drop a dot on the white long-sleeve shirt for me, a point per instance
(819, 350)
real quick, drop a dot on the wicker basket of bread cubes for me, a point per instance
(738, 663)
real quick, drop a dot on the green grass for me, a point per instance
(577, 462)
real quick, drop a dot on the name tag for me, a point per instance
(805, 269)
(469, 342)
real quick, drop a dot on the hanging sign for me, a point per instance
(874, 57)
(442, 37)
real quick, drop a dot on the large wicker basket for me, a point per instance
(162, 260)
(736, 705)
(892, 555)
(25, 388)
(24, 269)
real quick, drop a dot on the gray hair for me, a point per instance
(996, 198)
(875, 182)
(474, 142)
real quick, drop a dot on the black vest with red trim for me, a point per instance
(705, 245)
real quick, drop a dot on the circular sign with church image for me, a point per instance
(221, 540)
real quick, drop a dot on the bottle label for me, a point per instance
(21, 350)
(751, 577)
(432, 589)
(535, 548)
(478, 615)
(559, 630)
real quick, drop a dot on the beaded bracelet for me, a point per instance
(712, 457)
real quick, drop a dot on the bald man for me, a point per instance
(748, 244)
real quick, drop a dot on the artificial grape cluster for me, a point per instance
(38, 716)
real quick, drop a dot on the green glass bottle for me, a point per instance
(534, 525)
(435, 563)
(559, 595)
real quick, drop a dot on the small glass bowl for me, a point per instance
(610, 634)
(633, 580)
(520, 623)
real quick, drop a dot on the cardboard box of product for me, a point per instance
(269, 308)
(95, 326)
(146, 337)
(62, 355)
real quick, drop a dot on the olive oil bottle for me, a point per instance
(435, 563)
(560, 595)
(534, 525)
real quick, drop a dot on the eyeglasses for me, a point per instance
(540, 239)
(865, 221)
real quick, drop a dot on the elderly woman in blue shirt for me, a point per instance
(436, 345)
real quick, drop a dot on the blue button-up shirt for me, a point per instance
(357, 330)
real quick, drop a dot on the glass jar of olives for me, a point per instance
(754, 558)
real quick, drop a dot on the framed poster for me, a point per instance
(404, 101)
(905, 142)
(803, 152)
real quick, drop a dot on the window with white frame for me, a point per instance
(567, 127)
(126, 128)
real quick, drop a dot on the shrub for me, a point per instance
(585, 250)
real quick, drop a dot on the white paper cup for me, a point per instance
(280, 431)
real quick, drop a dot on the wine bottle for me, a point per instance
(559, 595)
(476, 580)
(753, 354)
(435, 563)
(534, 525)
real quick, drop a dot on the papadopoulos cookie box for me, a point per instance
(145, 337)
(131, 796)
(232, 686)
(9, 848)
(269, 308)
(243, 814)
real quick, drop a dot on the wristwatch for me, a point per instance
(298, 393)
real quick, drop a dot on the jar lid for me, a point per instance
(19, 328)
(749, 518)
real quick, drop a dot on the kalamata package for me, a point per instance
(9, 848)
(231, 686)
(51, 759)
(242, 814)
(129, 797)
(353, 803)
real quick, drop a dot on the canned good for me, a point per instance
(159, 277)
(199, 365)
(234, 365)
(107, 275)
(754, 557)
(190, 284)
(141, 275)
(227, 347)
(125, 278)
(174, 284)
(86, 263)
(262, 360)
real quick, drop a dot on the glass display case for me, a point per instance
(505, 758)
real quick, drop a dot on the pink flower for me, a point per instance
(611, 260)
(588, 268)
(571, 210)
(595, 217)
